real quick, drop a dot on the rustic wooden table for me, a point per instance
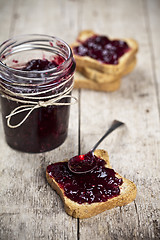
(29, 208)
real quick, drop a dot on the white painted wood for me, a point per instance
(6, 19)
(152, 11)
(29, 208)
(134, 151)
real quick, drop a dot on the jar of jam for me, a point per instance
(36, 81)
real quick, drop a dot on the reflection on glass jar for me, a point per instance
(36, 80)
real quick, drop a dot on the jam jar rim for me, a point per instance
(63, 65)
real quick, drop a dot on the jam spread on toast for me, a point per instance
(98, 185)
(102, 49)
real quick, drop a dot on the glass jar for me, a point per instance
(35, 104)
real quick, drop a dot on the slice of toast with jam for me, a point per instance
(109, 56)
(88, 194)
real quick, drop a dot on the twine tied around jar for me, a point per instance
(32, 105)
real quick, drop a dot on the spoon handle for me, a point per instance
(115, 124)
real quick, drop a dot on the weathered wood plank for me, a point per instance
(135, 148)
(152, 11)
(48, 17)
(6, 18)
(29, 208)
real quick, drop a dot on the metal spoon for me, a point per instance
(82, 163)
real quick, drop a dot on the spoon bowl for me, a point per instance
(81, 164)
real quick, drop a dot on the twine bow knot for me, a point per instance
(30, 106)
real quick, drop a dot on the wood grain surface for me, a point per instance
(29, 208)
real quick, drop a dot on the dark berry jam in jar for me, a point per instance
(36, 81)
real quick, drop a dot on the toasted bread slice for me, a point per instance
(82, 82)
(100, 77)
(86, 61)
(85, 210)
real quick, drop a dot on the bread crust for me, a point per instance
(127, 194)
(101, 77)
(99, 81)
(82, 82)
(102, 67)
